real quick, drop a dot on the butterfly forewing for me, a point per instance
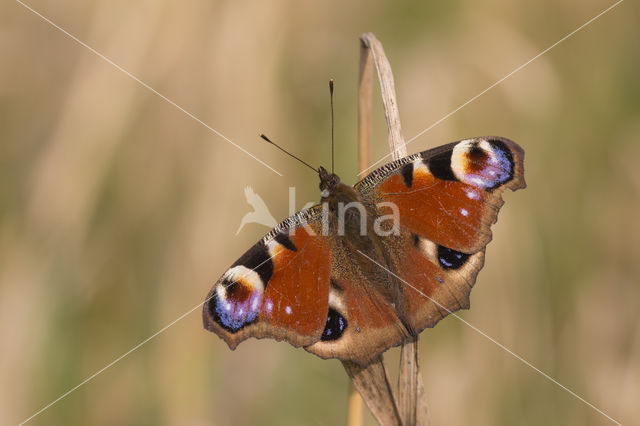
(277, 289)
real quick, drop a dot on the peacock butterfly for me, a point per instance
(333, 278)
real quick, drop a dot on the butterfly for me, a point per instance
(371, 265)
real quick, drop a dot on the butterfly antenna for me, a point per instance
(263, 136)
(332, 125)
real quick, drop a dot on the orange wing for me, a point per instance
(278, 289)
(447, 199)
(450, 194)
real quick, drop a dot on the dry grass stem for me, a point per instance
(364, 107)
(411, 402)
(388, 91)
(354, 407)
(373, 384)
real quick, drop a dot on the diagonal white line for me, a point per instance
(497, 83)
(145, 85)
(88, 379)
(500, 345)
(136, 347)
(106, 59)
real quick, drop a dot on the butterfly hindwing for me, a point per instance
(437, 280)
(361, 324)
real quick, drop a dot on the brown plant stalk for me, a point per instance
(409, 406)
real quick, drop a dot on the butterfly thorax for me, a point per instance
(344, 209)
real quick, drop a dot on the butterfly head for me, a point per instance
(328, 181)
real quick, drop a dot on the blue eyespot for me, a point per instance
(233, 312)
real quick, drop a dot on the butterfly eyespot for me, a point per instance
(451, 259)
(237, 299)
(485, 164)
(334, 327)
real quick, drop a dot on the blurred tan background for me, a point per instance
(118, 211)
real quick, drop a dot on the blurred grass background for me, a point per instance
(118, 212)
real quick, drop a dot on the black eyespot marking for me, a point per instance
(440, 165)
(407, 174)
(285, 241)
(211, 306)
(451, 259)
(336, 324)
(258, 259)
